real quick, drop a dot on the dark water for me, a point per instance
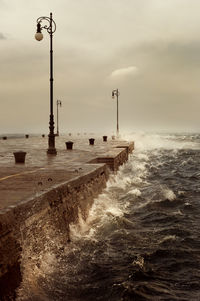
(142, 238)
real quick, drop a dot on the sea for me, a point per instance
(141, 240)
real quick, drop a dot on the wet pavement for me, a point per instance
(41, 172)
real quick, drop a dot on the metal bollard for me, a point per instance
(20, 157)
(69, 144)
(27, 136)
(105, 138)
(91, 141)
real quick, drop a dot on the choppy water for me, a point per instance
(141, 240)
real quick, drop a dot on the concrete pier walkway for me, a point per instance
(42, 172)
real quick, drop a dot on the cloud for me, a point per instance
(2, 37)
(124, 72)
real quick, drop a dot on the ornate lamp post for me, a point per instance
(51, 28)
(58, 103)
(116, 93)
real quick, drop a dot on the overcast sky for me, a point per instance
(148, 49)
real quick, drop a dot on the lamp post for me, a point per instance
(51, 28)
(116, 93)
(58, 103)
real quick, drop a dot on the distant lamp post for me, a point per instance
(51, 28)
(58, 103)
(116, 93)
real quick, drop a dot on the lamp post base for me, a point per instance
(52, 151)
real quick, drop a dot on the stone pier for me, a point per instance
(49, 192)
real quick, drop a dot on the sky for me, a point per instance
(148, 49)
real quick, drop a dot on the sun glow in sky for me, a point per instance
(148, 49)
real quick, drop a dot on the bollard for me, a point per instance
(69, 144)
(20, 157)
(4, 138)
(105, 138)
(113, 137)
(91, 141)
(27, 136)
(43, 135)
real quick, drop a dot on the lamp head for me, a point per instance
(39, 35)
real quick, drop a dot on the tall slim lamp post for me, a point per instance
(58, 103)
(116, 93)
(51, 28)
